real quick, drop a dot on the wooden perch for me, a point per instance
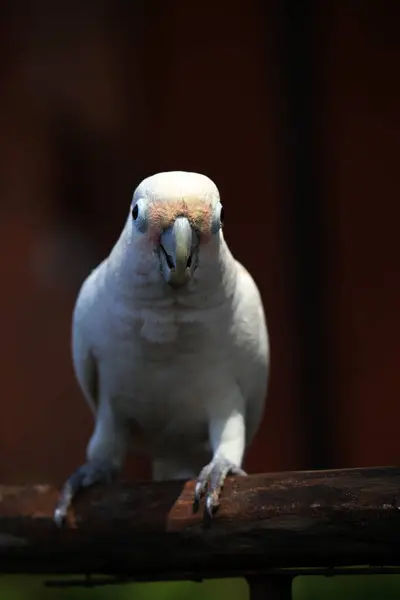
(148, 531)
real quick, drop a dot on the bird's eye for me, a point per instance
(218, 218)
(135, 212)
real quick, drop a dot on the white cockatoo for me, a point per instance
(170, 344)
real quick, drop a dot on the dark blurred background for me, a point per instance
(293, 109)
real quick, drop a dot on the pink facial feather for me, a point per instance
(162, 214)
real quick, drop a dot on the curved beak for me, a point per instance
(177, 246)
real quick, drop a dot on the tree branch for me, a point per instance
(148, 531)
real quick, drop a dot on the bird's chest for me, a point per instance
(165, 369)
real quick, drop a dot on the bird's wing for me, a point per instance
(84, 359)
(253, 364)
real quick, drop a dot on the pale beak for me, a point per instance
(178, 243)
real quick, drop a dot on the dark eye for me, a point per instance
(135, 212)
(222, 215)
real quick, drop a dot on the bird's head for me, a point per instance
(176, 213)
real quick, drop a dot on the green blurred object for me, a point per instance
(347, 587)
(32, 588)
(342, 587)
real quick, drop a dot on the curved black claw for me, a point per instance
(86, 475)
(211, 480)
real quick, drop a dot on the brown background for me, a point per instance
(93, 99)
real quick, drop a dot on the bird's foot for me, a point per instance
(86, 475)
(211, 480)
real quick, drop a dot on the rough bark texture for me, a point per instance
(148, 531)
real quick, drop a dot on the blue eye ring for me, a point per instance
(138, 214)
(218, 218)
(135, 212)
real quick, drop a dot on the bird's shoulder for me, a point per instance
(247, 291)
